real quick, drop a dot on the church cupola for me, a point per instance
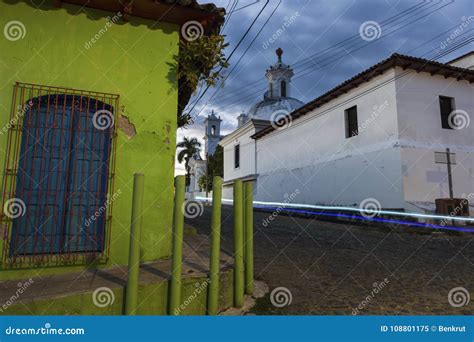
(279, 77)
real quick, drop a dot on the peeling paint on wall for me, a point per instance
(126, 126)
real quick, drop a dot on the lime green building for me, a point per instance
(88, 97)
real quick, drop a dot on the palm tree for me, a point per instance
(189, 147)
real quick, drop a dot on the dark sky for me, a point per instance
(322, 41)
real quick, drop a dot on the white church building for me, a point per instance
(383, 135)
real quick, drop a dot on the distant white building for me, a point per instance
(197, 164)
(380, 135)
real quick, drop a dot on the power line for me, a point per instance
(375, 41)
(382, 24)
(389, 20)
(438, 55)
(233, 51)
(245, 6)
(343, 53)
(330, 59)
(242, 56)
(229, 15)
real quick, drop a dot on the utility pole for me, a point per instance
(449, 160)
(450, 176)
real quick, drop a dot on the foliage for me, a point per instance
(198, 61)
(189, 147)
(202, 183)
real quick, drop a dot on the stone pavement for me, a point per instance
(333, 268)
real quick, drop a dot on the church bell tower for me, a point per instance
(213, 133)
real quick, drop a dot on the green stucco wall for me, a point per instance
(130, 59)
(152, 300)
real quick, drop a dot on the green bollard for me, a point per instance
(238, 246)
(131, 299)
(248, 205)
(213, 296)
(178, 226)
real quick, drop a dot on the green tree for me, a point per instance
(189, 147)
(215, 167)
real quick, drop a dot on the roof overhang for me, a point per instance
(170, 11)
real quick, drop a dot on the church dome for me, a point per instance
(264, 110)
(277, 100)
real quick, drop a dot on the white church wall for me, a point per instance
(424, 180)
(419, 111)
(227, 193)
(314, 156)
(247, 153)
(421, 134)
(346, 181)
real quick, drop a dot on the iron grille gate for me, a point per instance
(58, 176)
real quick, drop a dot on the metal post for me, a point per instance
(213, 296)
(178, 226)
(131, 300)
(238, 246)
(450, 176)
(248, 197)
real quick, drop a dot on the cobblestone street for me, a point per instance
(332, 268)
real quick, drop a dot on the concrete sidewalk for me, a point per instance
(196, 251)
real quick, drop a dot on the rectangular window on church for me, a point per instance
(352, 127)
(236, 156)
(446, 106)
